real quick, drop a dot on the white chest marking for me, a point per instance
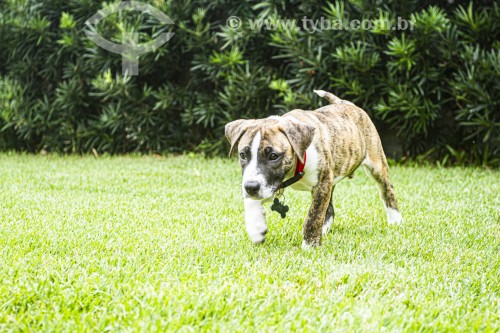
(311, 171)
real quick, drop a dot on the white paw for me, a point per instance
(257, 239)
(257, 234)
(393, 216)
(307, 246)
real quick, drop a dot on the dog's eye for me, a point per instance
(242, 156)
(273, 157)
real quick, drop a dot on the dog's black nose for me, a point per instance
(252, 187)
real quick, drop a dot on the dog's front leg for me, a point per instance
(255, 220)
(313, 225)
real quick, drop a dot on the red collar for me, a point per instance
(299, 173)
(300, 166)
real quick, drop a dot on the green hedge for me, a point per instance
(435, 87)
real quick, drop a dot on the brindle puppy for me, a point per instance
(337, 139)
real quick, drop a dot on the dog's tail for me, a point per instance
(331, 97)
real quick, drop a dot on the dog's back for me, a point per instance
(346, 130)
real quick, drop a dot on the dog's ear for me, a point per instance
(235, 130)
(300, 136)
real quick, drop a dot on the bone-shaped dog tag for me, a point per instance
(279, 207)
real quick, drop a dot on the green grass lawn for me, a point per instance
(145, 244)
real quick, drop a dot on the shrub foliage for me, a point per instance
(435, 86)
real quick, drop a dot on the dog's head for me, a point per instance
(267, 150)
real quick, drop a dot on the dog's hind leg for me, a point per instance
(329, 217)
(376, 166)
